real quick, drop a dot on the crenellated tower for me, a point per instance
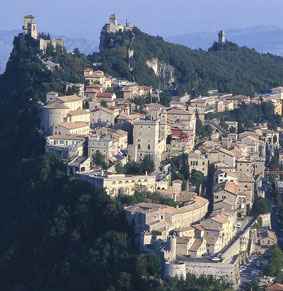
(29, 26)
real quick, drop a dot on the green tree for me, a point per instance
(154, 265)
(184, 166)
(207, 131)
(275, 265)
(147, 164)
(119, 168)
(199, 127)
(141, 265)
(197, 178)
(277, 198)
(261, 206)
(99, 160)
(254, 285)
(104, 104)
(134, 168)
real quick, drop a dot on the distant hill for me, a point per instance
(152, 61)
(262, 38)
(86, 46)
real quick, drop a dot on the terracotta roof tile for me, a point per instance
(56, 105)
(70, 98)
(275, 286)
(78, 112)
(73, 125)
(231, 187)
(196, 245)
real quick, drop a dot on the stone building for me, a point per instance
(146, 138)
(71, 128)
(182, 116)
(68, 147)
(221, 36)
(226, 190)
(224, 220)
(267, 238)
(245, 166)
(74, 102)
(59, 110)
(116, 184)
(198, 162)
(227, 270)
(29, 27)
(102, 145)
(113, 27)
(103, 117)
(175, 269)
(226, 157)
(162, 218)
(79, 115)
(54, 43)
(246, 184)
(52, 114)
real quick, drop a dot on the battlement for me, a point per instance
(30, 28)
(113, 26)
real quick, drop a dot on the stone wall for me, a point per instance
(228, 270)
(175, 269)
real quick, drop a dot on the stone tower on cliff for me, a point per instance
(29, 26)
(112, 27)
(221, 36)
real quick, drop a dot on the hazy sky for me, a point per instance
(163, 17)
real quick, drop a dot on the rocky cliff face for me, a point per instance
(163, 71)
(103, 38)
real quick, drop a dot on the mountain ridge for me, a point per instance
(228, 67)
(265, 39)
(262, 38)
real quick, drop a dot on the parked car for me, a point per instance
(215, 259)
(238, 225)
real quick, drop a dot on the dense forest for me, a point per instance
(227, 67)
(56, 232)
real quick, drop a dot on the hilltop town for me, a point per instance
(196, 176)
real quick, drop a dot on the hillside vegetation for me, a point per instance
(227, 67)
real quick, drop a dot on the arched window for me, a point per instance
(148, 146)
(139, 146)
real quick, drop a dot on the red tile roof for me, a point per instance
(275, 286)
